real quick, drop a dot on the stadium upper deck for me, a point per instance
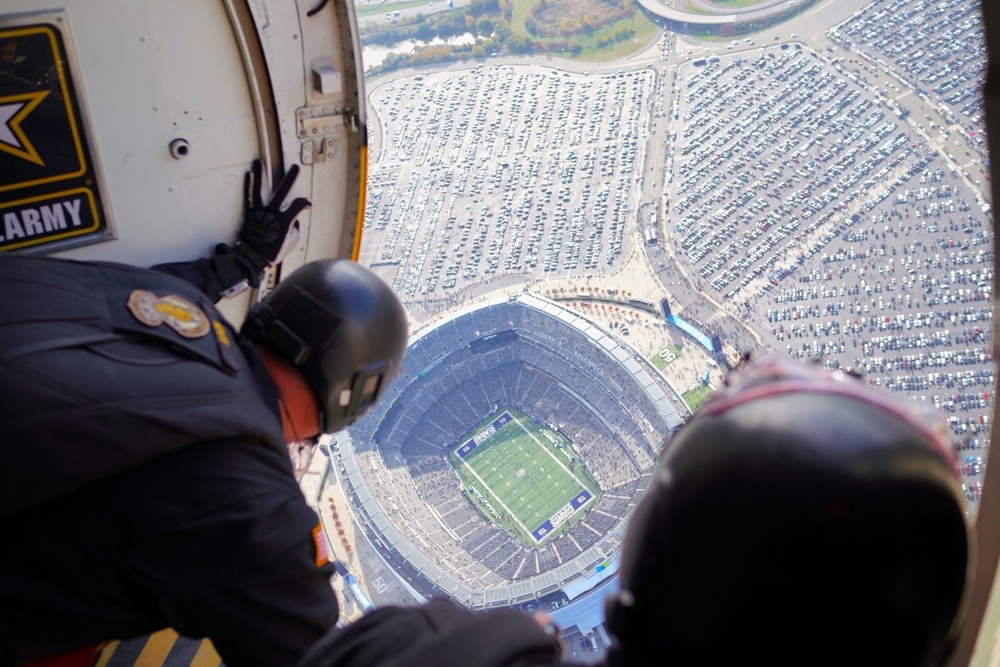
(557, 366)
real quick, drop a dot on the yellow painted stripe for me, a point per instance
(106, 652)
(162, 649)
(206, 656)
(362, 198)
(157, 648)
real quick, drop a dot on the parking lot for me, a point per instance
(467, 191)
(826, 190)
(833, 207)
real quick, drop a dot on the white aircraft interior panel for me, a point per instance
(167, 110)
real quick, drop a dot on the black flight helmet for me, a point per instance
(342, 327)
(799, 518)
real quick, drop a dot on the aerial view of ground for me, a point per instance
(821, 195)
(815, 186)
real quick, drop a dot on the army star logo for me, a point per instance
(176, 312)
(13, 110)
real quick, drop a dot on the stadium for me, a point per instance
(583, 414)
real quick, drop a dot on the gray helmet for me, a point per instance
(342, 327)
(799, 518)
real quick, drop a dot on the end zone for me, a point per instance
(553, 522)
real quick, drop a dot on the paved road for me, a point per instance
(391, 17)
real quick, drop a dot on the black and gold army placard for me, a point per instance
(48, 188)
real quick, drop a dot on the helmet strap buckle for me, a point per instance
(286, 342)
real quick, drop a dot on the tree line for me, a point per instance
(489, 22)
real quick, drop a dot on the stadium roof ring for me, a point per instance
(528, 355)
(736, 19)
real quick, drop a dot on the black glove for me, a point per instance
(439, 633)
(265, 227)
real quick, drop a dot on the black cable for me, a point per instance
(315, 10)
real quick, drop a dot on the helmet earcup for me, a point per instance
(795, 523)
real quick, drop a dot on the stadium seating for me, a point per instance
(561, 369)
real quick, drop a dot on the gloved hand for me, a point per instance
(267, 232)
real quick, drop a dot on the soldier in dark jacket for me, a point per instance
(145, 478)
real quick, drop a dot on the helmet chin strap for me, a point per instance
(300, 450)
(288, 423)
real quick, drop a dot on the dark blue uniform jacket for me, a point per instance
(144, 480)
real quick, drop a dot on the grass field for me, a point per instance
(666, 356)
(523, 476)
(696, 397)
(587, 42)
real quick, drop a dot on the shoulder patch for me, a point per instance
(175, 311)
(322, 549)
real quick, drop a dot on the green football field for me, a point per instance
(522, 474)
